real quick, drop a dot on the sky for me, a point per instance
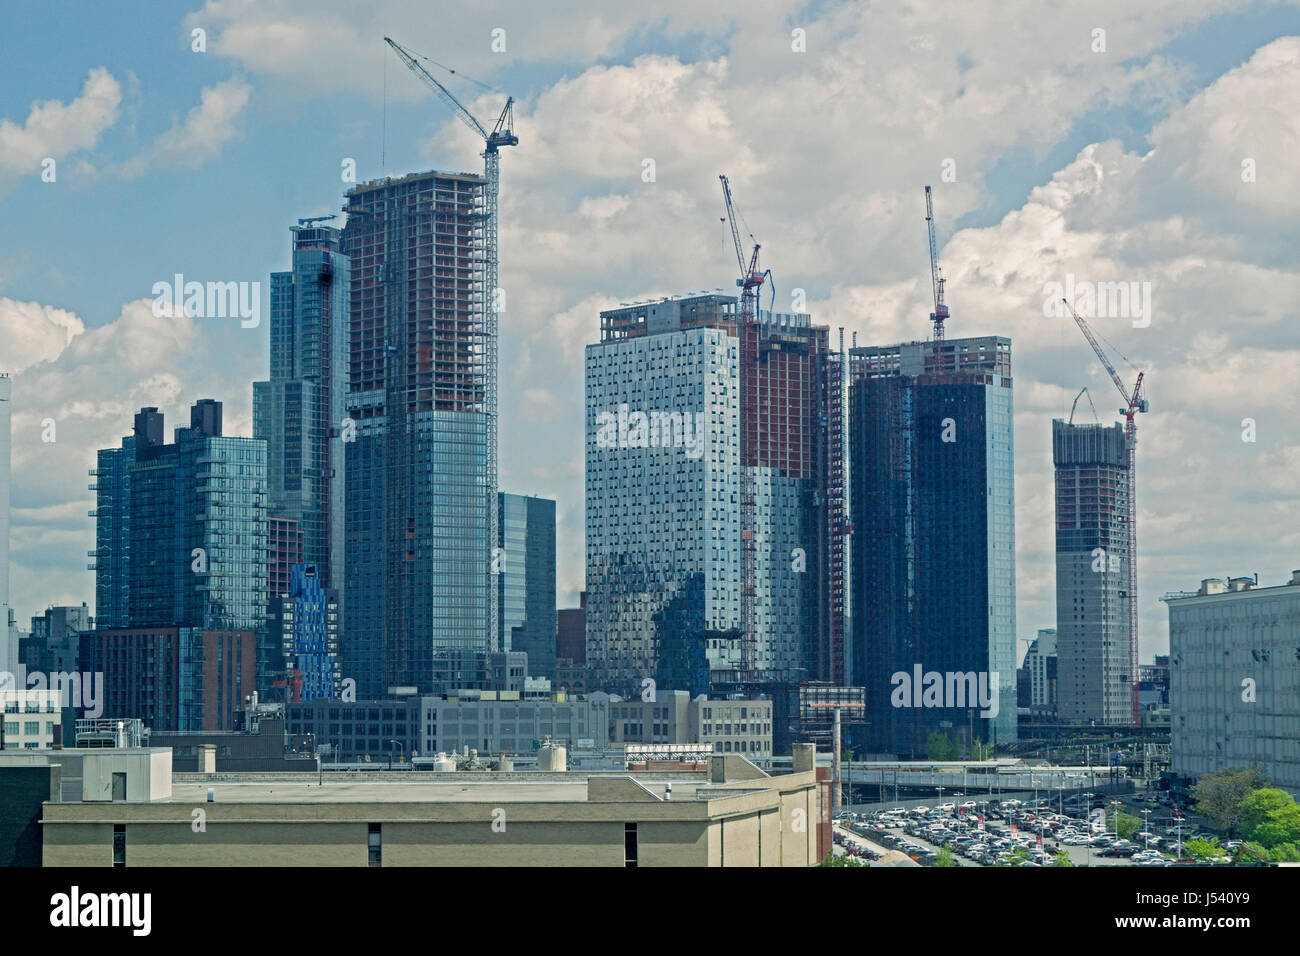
(1152, 143)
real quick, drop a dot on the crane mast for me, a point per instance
(502, 134)
(750, 281)
(1133, 404)
(940, 312)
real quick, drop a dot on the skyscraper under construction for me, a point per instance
(666, 585)
(421, 477)
(1094, 674)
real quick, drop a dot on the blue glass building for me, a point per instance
(933, 546)
(525, 568)
(668, 467)
(421, 500)
(299, 411)
(307, 621)
(663, 518)
(182, 537)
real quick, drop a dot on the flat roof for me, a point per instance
(1271, 589)
(449, 791)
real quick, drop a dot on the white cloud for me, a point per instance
(33, 333)
(200, 137)
(330, 46)
(89, 382)
(57, 129)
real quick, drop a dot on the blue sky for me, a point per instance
(827, 151)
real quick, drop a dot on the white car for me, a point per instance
(948, 806)
(968, 805)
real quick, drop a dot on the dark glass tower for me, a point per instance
(526, 580)
(933, 552)
(419, 596)
(183, 527)
(299, 412)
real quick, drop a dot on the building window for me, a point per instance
(375, 845)
(119, 844)
(629, 844)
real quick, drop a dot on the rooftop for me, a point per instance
(433, 791)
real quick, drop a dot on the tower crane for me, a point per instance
(750, 281)
(940, 313)
(502, 134)
(1133, 404)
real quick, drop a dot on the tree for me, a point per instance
(1015, 857)
(980, 750)
(939, 746)
(1061, 858)
(1202, 849)
(846, 860)
(1258, 805)
(1282, 826)
(1285, 853)
(1219, 796)
(944, 857)
(1127, 825)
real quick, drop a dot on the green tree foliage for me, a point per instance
(1282, 826)
(1219, 796)
(1015, 857)
(1202, 849)
(1285, 853)
(981, 751)
(1061, 858)
(1251, 853)
(1258, 804)
(939, 746)
(944, 857)
(1127, 826)
(833, 860)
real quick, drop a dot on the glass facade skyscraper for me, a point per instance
(299, 411)
(181, 528)
(666, 461)
(663, 535)
(421, 502)
(933, 547)
(525, 568)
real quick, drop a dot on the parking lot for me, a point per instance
(1022, 833)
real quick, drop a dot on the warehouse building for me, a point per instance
(732, 814)
(1234, 686)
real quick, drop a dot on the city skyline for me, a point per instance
(1045, 222)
